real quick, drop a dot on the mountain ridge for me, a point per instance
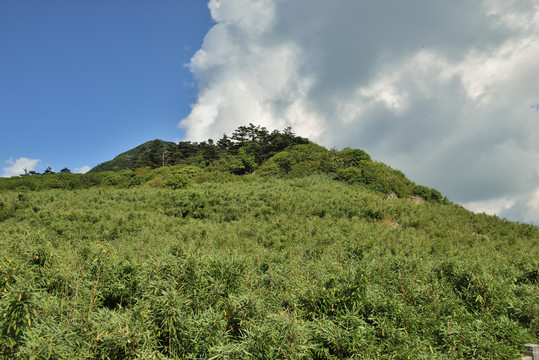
(135, 157)
(251, 151)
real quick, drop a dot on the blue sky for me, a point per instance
(82, 81)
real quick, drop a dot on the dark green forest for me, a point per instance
(262, 245)
(248, 147)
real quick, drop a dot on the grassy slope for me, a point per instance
(294, 268)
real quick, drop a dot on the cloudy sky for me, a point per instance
(445, 91)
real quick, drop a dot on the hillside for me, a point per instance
(151, 153)
(307, 267)
(264, 246)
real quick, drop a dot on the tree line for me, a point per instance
(48, 171)
(250, 145)
(251, 151)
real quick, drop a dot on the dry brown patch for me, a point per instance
(390, 222)
(416, 200)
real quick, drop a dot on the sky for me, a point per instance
(447, 92)
(83, 81)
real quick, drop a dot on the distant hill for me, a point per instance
(253, 142)
(151, 153)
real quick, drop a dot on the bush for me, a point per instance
(427, 193)
(352, 157)
(352, 175)
(177, 181)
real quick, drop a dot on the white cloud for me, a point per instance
(83, 170)
(440, 90)
(18, 166)
(491, 207)
(524, 208)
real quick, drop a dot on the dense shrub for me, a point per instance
(260, 268)
(427, 193)
(352, 157)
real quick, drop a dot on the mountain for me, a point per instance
(151, 153)
(262, 246)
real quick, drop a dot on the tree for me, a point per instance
(247, 158)
(427, 193)
(186, 149)
(48, 171)
(225, 143)
(155, 154)
(65, 171)
(177, 181)
(208, 150)
(229, 164)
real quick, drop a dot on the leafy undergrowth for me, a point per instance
(299, 268)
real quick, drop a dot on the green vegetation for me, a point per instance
(251, 151)
(248, 147)
(304, 255)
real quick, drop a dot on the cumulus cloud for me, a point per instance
(83, 170)
(18, 166)
(440, 90)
